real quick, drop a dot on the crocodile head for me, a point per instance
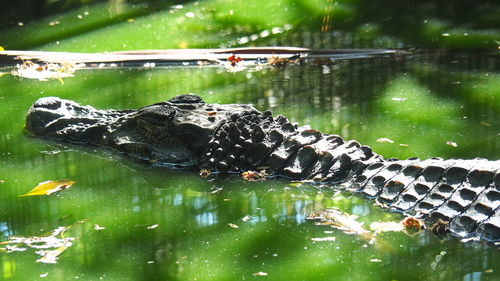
(172, 133)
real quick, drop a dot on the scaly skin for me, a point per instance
(186, 132)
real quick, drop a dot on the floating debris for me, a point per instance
(409, 225)
(413, 223)
(398, 99)
(216, 189)
(246, 218)
(260, 273)
(375, 260)
(277, 61)
(50, 256)
(98, 227)
(45, 72)
(205, 173)
(381, 140)
(324, 239)
(153, 226)
(49, 187)
(345, 222)
(232, 225)
(254, 176)
(379, 227)
(234, 60)
(49, 247)
(470, 239)
(441, 227)
(451, 143)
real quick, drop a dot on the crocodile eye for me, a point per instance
(157, 114)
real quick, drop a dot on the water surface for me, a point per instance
(135, 222)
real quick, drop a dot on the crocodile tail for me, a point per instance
(463, 193)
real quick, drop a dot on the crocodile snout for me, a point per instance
(42, 113)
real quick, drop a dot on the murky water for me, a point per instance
(134, 222)
(124, 220)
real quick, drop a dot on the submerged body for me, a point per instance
(187, 132)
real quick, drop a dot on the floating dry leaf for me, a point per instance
(375, 260)
(49, 187)
(153, 226)
(278, 61)
(254, 176)
(260, 273)
(232, 225)
(441, 227)
(413, 223)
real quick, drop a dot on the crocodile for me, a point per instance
(185, 132)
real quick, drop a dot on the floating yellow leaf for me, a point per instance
(1, 49)
(49, 187)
